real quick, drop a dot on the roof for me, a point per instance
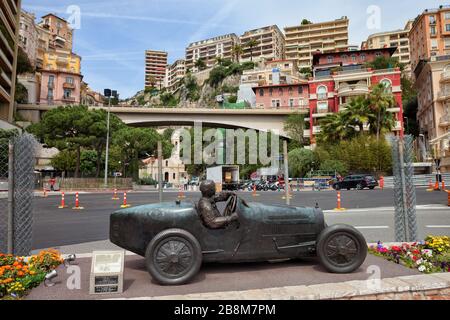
(317, 56)
(54, 15)
(281, 85)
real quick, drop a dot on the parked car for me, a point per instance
(175, 242)
(358, 182)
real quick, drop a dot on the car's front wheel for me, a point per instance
(173, 257)
(341, 249)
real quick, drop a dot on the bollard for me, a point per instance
(430, 186)
(443, 185)
(125, 204)
(63, 202)
(382, 183)
(254, 191)
(45, 193)
(448, 197)
(339, 207)
(115, 196)
(77, 203)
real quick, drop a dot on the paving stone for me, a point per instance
(365, 287)
(300, 293)
(424, 282)
(334, 290)
(442, 276)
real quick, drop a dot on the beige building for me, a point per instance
(155, 68)
(174, 170)
(175, 74)
(61, 34)
(285, 71)
(9, 35)
(430, 35)
(269, 44)
(433, 89)
(397, 38)
(28, 36)
(303, 41)
(210, 49)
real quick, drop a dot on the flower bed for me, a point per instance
(18, 275)
(429, 256)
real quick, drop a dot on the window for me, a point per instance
(291, 103)
(434, 44)
(261, 92)
(322, 107)
(387, 84)
(270, 91)
(378, 54)
(447, 27)
(344, 57)
(67, 93)
(432, 19)
(322, 93)
(174, 176)
(280, 91)
(69, 80)
(275, 104)
(300, 89)
(433, 30)
(447, 43)
(50, 94)
(330, 59)
(447, 16)
(167, 163)
(51, 79)
(363, 57)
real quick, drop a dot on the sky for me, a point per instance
(111, 36)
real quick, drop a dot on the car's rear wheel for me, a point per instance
(173, 257)
(341, 249)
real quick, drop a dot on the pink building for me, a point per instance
(282, 96)
(60, 87)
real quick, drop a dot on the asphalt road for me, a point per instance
(54, 227)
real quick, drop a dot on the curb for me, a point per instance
(399, 288)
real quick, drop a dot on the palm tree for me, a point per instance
(251, 44)
(356, 113)
(237, 51)
(200, 64)
(219, 61)
(334, 127)
(379, 101)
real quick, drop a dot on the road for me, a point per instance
(370, 211)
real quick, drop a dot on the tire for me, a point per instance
(170, 271)
(351, 253)
(371, 188)
(359, 186)
(337, 187)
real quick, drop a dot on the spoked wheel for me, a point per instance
(341, 249)
(173, 257)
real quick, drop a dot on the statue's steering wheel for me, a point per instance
(231, 206)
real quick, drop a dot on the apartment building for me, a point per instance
(28, 35)
(302, 41)
(175, 74)
(398, 39)
(272, 72)
(339, 77)
(283, 96)
(155, 68)
(430, 35)
(268, 42)
(9, 35)
(61, 34)
(210, 49)
(61, 78)
(433, 94)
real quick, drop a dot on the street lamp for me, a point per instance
(109, 94)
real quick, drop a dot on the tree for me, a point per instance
(305, 22)
(237, 51)
(334, 127)
(379, 101)
(67, 128)
(300, 162)
(23, 63)
(337, 166)
(136, 143)
(251, 44)
(152, 80)
(356, 113)
(383, 62)
(306, 71)
(295, 127)
(200, 64)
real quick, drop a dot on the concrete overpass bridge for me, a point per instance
(257, 119)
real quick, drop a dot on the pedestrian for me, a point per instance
(52, 184)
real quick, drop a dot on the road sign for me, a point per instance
(117, 174)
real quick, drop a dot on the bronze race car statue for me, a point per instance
(175, 241)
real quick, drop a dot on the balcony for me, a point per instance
(68, 85)
(445, 77)
(444, 121)
(51, 85)
(317, 129)
(306, 133)
(444, 95)
(353, 90)
(68, 99)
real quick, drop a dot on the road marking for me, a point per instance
(372, 227)
(438, 227)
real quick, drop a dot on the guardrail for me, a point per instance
(419, 180)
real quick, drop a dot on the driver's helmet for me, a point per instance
(208, 188)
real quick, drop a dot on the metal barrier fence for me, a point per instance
(17, 159)
(419, 180)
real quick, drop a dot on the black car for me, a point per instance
(358, 182)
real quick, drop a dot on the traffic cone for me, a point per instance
(254, 194)
(77, 203)
(436, 186)
(339, 207)
(430, 186)
(63, 202)
(448, 197)
(181, 193)
(443, 185)
(125, 204)
(115, 197)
